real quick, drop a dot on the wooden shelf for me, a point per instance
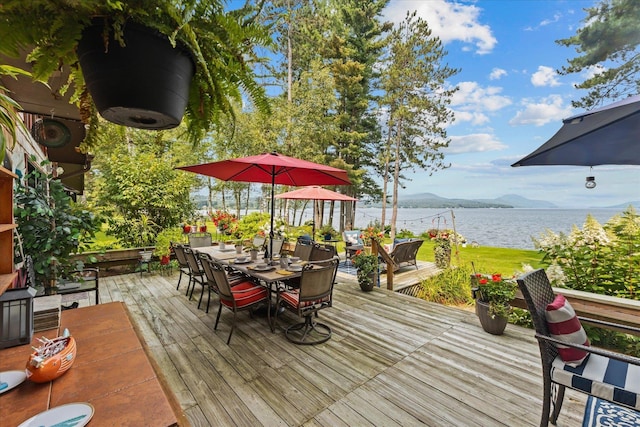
(7, 273)
(6, 280)
(7, 227)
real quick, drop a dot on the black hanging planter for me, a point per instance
(142, 85)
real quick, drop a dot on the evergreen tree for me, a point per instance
(415, 102)
(607, 44)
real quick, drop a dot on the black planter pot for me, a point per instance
(495, 325)
(144, 84)
(368, 287)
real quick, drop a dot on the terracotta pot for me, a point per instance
(186, 228)
(495, 325)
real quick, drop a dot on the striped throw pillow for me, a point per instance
(565, 326)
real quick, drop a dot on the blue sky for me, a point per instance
(511, 101)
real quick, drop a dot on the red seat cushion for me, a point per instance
(245, 294)
(292, 298)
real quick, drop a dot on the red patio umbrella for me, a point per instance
(314, 193)
(272, 168)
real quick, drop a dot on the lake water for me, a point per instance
(506, 228)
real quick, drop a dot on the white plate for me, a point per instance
(267, 268)
(11, 379)
(71, 414)
(295, 268)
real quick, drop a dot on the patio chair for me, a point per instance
(183, 265)
(603, 374)
(314, 294)
(196, 273)
(237, 296)
(321, 252)
(404, 253)
(352, 243)
(234, 278)
(200, 240)
(277, 247)
(303, 251)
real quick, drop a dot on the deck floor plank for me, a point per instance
(392, 360)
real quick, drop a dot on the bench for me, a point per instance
(403, 254)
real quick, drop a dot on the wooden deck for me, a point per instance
(393, 360)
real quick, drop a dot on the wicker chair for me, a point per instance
(242, 295)
(352, 243)
(596, 376)
(315, 294)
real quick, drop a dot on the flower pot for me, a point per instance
(238, 249)
(494, 325)
(254, 254)
(165, 260)
(186, 229)
(142, 85)
(203, 228)
(368, 287)
(223, 246)
(145, 256)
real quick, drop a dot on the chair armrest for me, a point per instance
(595, 350)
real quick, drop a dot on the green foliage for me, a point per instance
(602, 260)
(451, 287)
(442, 252)
(223, 44)
(405, 234)
(165, 238)
(137, 187)
(251, 224)
(607, 43)
(618, 341)
(52, 226)
(10, 122)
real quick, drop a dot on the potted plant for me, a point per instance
(164, 239)
(493, 296)
(328, 232)
(213, 44)
(367, 266)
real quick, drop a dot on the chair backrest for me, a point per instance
(316, 281)
(303, 251)
(406, 251)
(352, 237)
(277, 246)
(221, 279)
(200, 240)
(208, 271)
(538, 293)
(192, 261)
(178, 249)
(258, 241)
(322, 252)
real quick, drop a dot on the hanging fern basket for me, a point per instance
(144, 84)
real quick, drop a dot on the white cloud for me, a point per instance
(556, 18)
(497, 73)
(545, 76)
(548, 110)
(449, 21)
(471, 102)
(474, 143)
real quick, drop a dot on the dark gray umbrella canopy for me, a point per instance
(605, 136)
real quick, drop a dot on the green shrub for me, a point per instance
(451, 287)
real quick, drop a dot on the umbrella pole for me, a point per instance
(273, 184)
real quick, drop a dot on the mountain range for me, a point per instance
(430, 200)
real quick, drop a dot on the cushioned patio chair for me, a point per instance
(303, 251)
(237, 296)
(352, 243)
(404, 253)
(566, 362)
(183, 265)
(314, 294)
